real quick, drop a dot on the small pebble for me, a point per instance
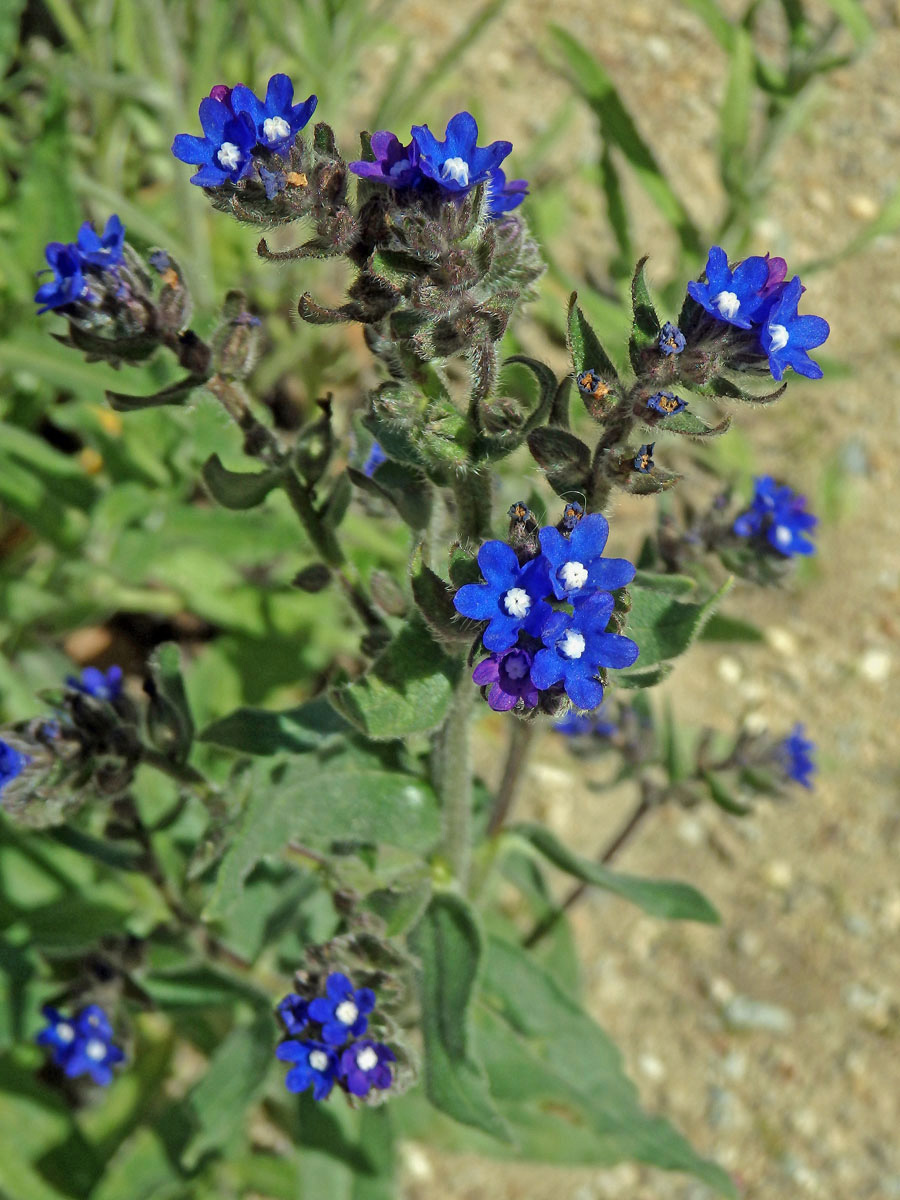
(744, 1013)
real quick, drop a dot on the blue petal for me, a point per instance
(299, 1078)
(717, 272)
(301, 113)
(210, 176)
(808, 332)
(476, 600)
(613, 650)
(502, 632)
(498, 563)
(590, 537)
(214, 116)
(426, 141)
(294, 1052)
(583, 690)
(245, 101)
(192, 149)
(547, 669)
(279, 95)
(461, 136)
(610, 573)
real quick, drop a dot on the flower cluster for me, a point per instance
(779, 515)
(582, 725)
(76, 265)
(453, 167)
(794, 754)
(333, 1048)
(83, 1044)
(99, 684)
(242, 133)
(547, 617)
(755, 297)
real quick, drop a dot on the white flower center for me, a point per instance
(779, 336)
(573, 575)
(367, 1059)
(318, 1060)
(65, 1032)
(276, 129)
(96, 1050)
(229, 156)
(516, 666)
(346, 1012)
(517, 602)
(456, 169)
(782, 535)
(572, 644)
(727, 303)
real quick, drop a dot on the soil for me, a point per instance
(768, 1040)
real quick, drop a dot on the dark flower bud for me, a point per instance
(235, 344)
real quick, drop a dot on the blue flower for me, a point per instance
(795, 755)
(94, 682)
(68, 283)
(572, 514)
(671, 339)
(12, 763)
(225, 153)
(579, 725)
(376, 457)
(575, 563)
(315, 1064)
(365, 1065)
(294, 1013)
(643, 460)
(577, 646)
(277, 120)
(342, 1014)
(102, 250)
(395, 165)
(82, 1045)
(510, 673)
(786, 336)
(780, 514)
(457, 164)
(503, 197)
(666, 404)
(511, 599)
(732, 296)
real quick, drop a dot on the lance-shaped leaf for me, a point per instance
(434, 597)
(405, 487)
(169, 717)
(448, 944)
(665, 627)
(547, 388)
(587, 351)
(658, 897)
(564, 457)
(690, 425)
(239, 489)
(722, 795)
(407, 690)
(175, 393)
(649, 483)
(646, 322)
(290, 731)
(720, 386)
(643, 677)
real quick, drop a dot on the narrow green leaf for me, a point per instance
(547, 386)
(646, 322)
(658, 897)
(448, 944)
(723, 797)
(689, 424)
(853, 15)
(169, 717)
(239, 489)
(674, 585)
(174, 394)
(289, 731)
(664, 627)
(565, 459)
(721, 627)
(407, 690)
(617, 213)
(734, 120)
(585, 347)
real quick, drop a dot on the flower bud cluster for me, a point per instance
(548, 615)
(82, 1044)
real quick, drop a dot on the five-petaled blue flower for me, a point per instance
(795, 755)
(511, 599)
(12, 763)
(94, 682)
(68, 283)
(314, 1063)
(277, 120)
(82, 1045)
(576, 565)
(503, 197)
(666, 404)
(458, 164)
(225, 153)
(780, 514)
(102, 250)
(366, 1065)
(510, 673)
(394, 164)
(342, 1014)
(786, 336)
(732, 296)
(671, 339)
(577, 646)
(294, 1013)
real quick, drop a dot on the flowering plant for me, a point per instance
(347, 839)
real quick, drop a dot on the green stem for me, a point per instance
(453, 769)
(316, 529)
(521, 739)
(472, 492)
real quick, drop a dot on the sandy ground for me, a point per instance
(803, 1101)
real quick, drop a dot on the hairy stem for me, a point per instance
(453, 771)
(472, 492)
(316, 529)
(521, 739)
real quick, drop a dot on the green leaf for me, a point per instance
(658, 897)
(291, 731)
(646, 322)
(690, 424)
(233, 1079)
(734, 120)
(560, 1080)
(664, 627)
(239, 489)
(175, 394)
(585, 347)
(564, 457)
(448, 944)
(407, 690)
(637, 677)
(434, 597)
(169, 717)
(402, 485)
(141, 1170)
(618, 128)
(853, 15)
(723, 797)
(721, 627)
(672, 585)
